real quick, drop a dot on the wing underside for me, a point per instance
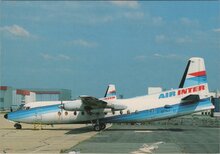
(93, 102)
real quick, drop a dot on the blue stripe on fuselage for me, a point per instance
(21, 114)
(158, 113)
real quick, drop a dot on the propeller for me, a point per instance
(61, 106)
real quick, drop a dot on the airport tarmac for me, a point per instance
(187, 136)
(180, 135)
(49, 140)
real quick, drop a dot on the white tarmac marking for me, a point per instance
(145, 148)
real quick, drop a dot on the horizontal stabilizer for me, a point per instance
(190, 99)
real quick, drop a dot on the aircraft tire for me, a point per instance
(97, 128)
(103, 126)
(18, 126)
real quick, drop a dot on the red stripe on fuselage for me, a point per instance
(201, 73)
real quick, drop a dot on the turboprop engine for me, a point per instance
(101, 110)
(116, 107)
(77, 105)
(73, 106)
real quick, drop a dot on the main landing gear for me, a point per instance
(99, 126)
(18, 126)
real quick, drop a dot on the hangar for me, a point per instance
(51, 94)
(11, 98)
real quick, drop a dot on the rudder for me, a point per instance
(195, 73)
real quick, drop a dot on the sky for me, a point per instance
(84, 46)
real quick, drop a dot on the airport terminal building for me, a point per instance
(11, 98)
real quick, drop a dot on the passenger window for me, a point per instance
(66, 113)
(75, 113)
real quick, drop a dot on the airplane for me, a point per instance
(191, 96)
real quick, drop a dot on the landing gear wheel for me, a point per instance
(103, 126)
(97, 128)
(18, 126)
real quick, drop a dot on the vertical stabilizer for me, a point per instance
(195, 73)
(110, 93)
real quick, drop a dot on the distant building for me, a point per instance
(215, 97)
(52, 94)
(11, 98)
(154, 90)
(215, 94)
(216, 103)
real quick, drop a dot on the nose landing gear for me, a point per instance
(18, 126)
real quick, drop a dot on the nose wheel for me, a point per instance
(18, 126)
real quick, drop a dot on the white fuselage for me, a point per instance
(144, 108)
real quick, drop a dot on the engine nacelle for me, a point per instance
(101, 110)
(73, 106)
(116, 107)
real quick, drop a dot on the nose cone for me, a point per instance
(6, 116)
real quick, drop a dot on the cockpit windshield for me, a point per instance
(26, 107)
(20, 107)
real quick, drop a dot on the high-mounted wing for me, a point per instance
(93, 102)
(89, 103)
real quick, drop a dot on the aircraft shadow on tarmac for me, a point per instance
(146, 129)
(90, 129)
(80, 130)
(69, 130)
(87, 129)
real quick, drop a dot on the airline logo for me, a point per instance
(109, 98)
(182, 91)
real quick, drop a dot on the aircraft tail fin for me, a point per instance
(195, 73)
(110, 93)
(194, 86)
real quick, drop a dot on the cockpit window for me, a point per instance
(21, 107)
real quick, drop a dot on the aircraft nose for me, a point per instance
(6, 116)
